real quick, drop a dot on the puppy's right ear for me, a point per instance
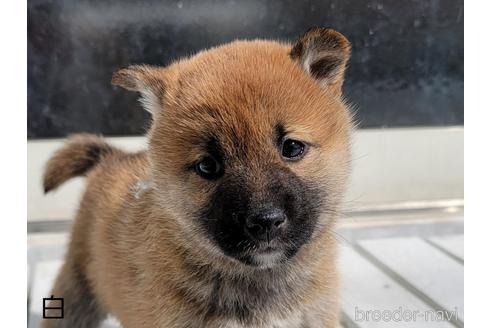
(323, 53)
(148, 80)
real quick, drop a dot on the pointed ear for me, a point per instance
(148, 80)
(323, 53)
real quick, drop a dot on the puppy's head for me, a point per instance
(249, 142)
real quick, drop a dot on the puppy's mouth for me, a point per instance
(263, 249)
(264, 258)
(264, 254)
(268, 259)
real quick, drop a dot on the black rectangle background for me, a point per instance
(406, 69)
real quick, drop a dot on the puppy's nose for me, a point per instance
(265, 225)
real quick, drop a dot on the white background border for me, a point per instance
(13, 235)
(478, 164)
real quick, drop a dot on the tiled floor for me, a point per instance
(399, 281)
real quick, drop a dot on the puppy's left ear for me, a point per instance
(150, 81)
(323, 53)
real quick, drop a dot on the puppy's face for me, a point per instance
(249, 145)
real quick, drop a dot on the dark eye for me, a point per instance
(292, 149)
(209, 168)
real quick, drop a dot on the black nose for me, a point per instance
(265, 225)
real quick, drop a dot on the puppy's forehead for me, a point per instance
(247, 89)
(255, 73)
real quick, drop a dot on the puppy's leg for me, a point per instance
(80, 306)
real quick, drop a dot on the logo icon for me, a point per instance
(53, 308)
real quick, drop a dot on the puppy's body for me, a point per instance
(158, 246)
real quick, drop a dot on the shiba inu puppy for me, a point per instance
(226, 219)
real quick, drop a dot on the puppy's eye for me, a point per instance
(209, 168)
(292, 149)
